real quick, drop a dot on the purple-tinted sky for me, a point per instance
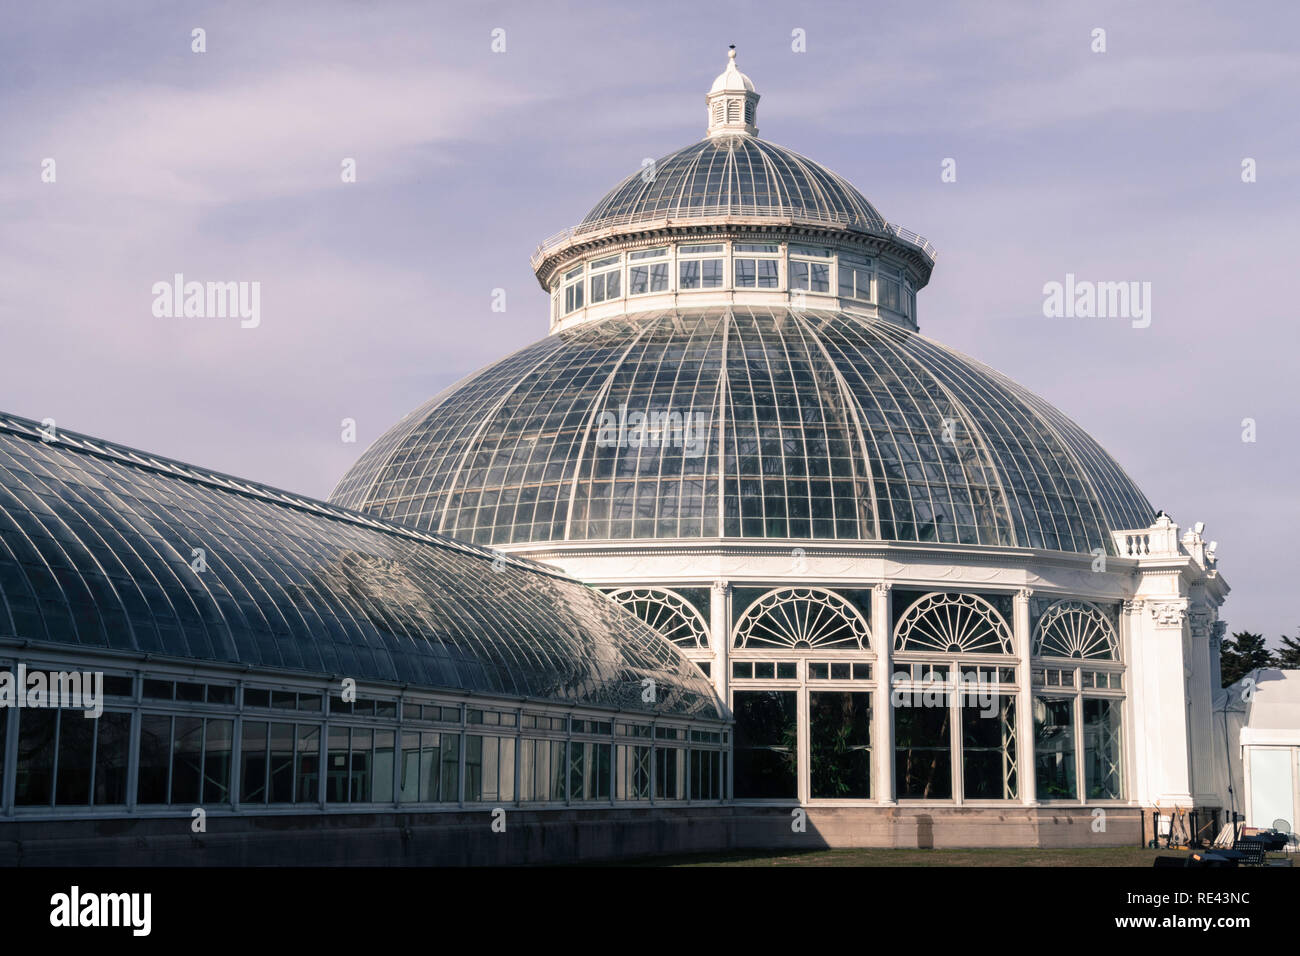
(225, 165)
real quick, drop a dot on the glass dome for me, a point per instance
(96, 551)
(762, 423)
(739, 176)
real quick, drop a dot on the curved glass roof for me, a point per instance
(812, 425)
(96, 550)
(735, 176)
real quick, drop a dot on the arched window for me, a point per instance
(1076, 629)
(955, 623)
(802, 618)
(667, 612)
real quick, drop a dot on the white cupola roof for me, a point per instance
(733, 104)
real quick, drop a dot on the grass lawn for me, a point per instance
(1100, 856)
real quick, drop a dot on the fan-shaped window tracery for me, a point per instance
(1076, 629)
(667, 612)
(954, 623)
(802, 618)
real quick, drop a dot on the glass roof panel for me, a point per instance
(98, 549)
(814, 425)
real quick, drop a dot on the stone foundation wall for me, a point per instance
(466, 838)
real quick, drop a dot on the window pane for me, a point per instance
(359, 785)
(1101, 753)
(36, 730)
(888, 290)
(450, 783)
(846, 281)
(216, 760)
(408, 781)
(111, 751)
(252, 762)
(840, 744)
(430, 766)
(506, 769)
(988, 730)
(863, 282)
(923, 749)
(307, 772)
(688, 276)
(765, 743)
(382, 787)
(821, 277)
(76, 744)
(336, 771)
(711, 274)
(745, 273)
(659, 277)
(491, 768)
(1054, 748)
(282, 736)
(799, 275)
(473, 768)
(670, 773)
(638, 280)
(187, 752)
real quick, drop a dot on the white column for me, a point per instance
(720, 636)
(882, 715)
(1201, 691)
(720, 641)
(1024, 699)
(1157, 632)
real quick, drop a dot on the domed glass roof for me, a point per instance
(793, 425)
(95, 551)
(735, 176)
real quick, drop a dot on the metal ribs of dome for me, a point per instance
(820, 425)
(738, 176)
(95, 551)
(735, 178)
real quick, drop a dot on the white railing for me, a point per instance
(1158, 541)
(796, 215)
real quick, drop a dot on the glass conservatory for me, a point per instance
(915, 584)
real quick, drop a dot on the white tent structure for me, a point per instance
(1257, 764)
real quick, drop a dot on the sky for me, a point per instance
(1117, 165)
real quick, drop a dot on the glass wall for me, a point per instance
(590, 770)
(736, 265)
(285, 749)
(280, 762)
(1078, 677)
(65, 759)
(766, 744)
(174, 754)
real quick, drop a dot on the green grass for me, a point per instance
(1100, 856)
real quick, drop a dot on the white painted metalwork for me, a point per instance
(961, 623)
(802, 618)
(667, 612)
(1076, 629)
